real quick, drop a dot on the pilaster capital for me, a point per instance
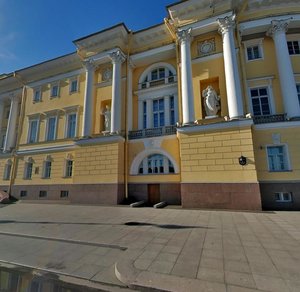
(90, 65)
(184, 35)
(226, 24)
(278, 26)
(13, 98)
(117, 57)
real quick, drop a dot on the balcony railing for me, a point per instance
(157, 82)
(152, 132)
(269, 119)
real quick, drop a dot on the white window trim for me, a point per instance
(58, 89)
(269, 86)
(30, 120)
(6, 173)
(66, 124)
(70, 84)
(29, 161)
(35, 89)
(282, 200)
(286, 157)
(252, 43)
(47, 127)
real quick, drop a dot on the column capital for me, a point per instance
(13, 98)
(278, 26)
(90, 65)
(117, 57)
(184, 35)
(227, 23)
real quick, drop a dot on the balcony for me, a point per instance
(269, 119)
(157, 82)
(152, 132)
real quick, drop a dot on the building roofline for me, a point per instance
(101, 31)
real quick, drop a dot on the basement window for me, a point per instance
(283, 197)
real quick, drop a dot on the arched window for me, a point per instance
(156, 164)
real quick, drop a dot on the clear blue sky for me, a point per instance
(32, 31)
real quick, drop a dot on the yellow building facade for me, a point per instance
(202, 110)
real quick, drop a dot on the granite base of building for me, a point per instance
(167, 192)
(234, 196)
(110, 194)
(270, 200)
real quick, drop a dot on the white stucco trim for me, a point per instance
(134, 169)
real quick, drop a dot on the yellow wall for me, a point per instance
(289, 136)
(213, 156)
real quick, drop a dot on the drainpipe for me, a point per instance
(20, 126)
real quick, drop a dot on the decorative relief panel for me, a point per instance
(206, 47)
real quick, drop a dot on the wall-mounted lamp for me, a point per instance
(242, 160)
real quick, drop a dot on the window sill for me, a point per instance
(288, 170)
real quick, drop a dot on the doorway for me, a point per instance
(153, 194)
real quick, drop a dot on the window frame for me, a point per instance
(281, 197)
(28, 175)
(270, 96)
(67, 126)
(294, 53)
(69, 169)
(251, 44)
(47, 168)
(35, 91)
(31, 120)
(286, 159)
(150, 161)
(7, 170)
(52, 86)
(47, 128)
(298, 91)
(71, 80)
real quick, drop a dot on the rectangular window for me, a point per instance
(23, 193)
(172, 110)
(51, 129)
(28, 170)
(43, 194)
(254, 53)
(64, 194)
(260, 101)
(144, 115)
(33, 130)
(298, 91)
(158, 113)
(71, 126)
(37, 95)
(294, 47)
(47, 169)
(283, 197)
(7, 171)
(277, 158)
(73, 85)
(69, 168)
(54, 90)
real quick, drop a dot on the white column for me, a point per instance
(187, 92)
(129, 97)
(88, 107)
(10, 139)
(232, 76)
(285, 69)
(117, 60)
(141, 114)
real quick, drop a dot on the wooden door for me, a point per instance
(153, 194)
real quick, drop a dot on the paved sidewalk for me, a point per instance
(165, 249)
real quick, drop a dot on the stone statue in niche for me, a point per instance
(211, 101)
(107, 118)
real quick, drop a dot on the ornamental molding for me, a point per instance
(185, 35)
(226, 24)
(278, 26)
(117, 57)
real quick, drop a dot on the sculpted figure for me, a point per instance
(107, 118)
(211, 101)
